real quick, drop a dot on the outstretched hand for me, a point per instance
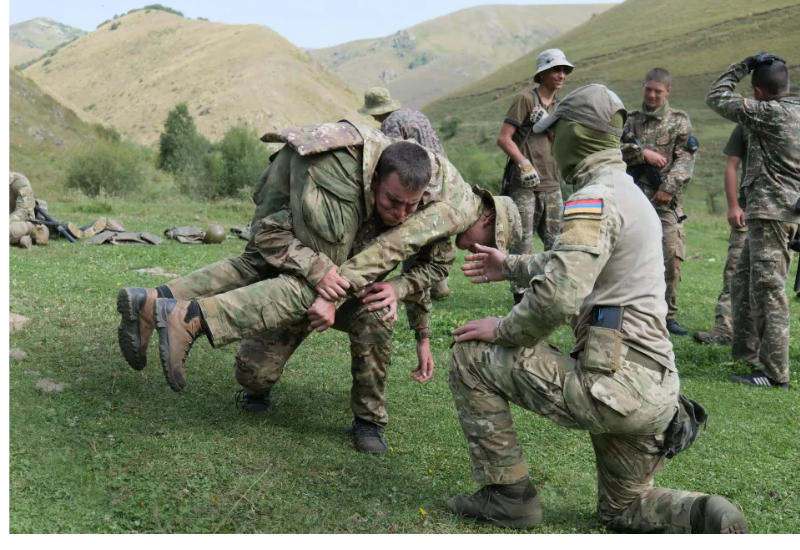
(486, 264)
(424, 370)
(480, 329)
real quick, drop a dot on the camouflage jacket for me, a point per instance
(411, 124)
(665, 131)
(608, 252)
(21, 198)
(771, 182)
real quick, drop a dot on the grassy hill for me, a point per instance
(129, 74)
(31, 39)
(618, 47)
(437, 57)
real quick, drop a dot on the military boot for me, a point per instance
(75, 230)
(716, 515)
(135, 305)
(369, 437)
(179, 323)
(253, 402)
(440, 290)
(674, 328)
(511, 506)
(713, 336)
(94, 228)
(41, 235)
(25, 242)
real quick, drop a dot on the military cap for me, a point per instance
(378, 101)
(592, 106)
(507, 221)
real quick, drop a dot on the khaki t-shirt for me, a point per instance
(537, 146)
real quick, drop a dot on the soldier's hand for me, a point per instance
(380, 295)
(768, 59)
(527, 173)
(322, 314)
(332, 287)
(480, 329)
(654, 159)
(486, 264)
(736, 217)
(424, 370)
(662, 198)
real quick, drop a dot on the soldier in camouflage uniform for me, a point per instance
(771, 188)
(405, 124)
(531, 171)
(736, 150)
(619, 385)
(21, 231)
(666, 134)
(324, 175)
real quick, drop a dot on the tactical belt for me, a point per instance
(645, 361)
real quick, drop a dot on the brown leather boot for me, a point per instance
(178, 328)
(135, 305)
(96, 227)
(494, 504)
(41, 235)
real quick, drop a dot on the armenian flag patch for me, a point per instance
(585, 207)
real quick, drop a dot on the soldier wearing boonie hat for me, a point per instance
(531, 178)
(605, 271)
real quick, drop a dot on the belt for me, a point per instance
(643, 360)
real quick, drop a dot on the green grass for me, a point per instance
(118, 451)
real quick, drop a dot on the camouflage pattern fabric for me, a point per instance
(771, 184)
(411, 124)
(124, 237)
(665, 131)
(185, 235)
(317, 138)
(261, 359)
(21, 198)
(723, 323)
(625, 413)
(761, 309)
(17, 230)
(541, 214)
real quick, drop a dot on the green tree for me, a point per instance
(180, 146)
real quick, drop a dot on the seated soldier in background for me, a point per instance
(604, 276)
(405, 124)
(736, 150)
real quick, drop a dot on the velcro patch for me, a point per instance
(585, 207)
(581, 232)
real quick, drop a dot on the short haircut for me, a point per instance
(409, 161)
(773, 78)
(658, 74)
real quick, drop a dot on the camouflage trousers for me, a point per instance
(17, 230)
(541, 213)
(723, 311)
(261, 359)
(625, 414)
(673, 242)
(761, 310)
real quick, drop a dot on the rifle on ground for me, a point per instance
(52, 224)
(653, 174)
(795, 245)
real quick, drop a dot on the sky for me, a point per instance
(306, 23)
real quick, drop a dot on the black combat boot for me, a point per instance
(511, 506)
(253, 402)
(369, 437)
(674, 328)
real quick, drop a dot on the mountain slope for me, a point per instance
(132, 73)
(30, 39)
(434, 58)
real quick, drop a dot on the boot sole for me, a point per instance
(163, 346)
(732, 524)
(130, 340)
(527, 522)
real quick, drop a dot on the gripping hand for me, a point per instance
(528, 173)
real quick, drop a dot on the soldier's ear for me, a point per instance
(669, 89)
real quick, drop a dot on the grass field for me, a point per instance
(118, 451)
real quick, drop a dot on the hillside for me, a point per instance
(618, 47)
(42, 131)
(30, 39)
(131, 73)
(437, 57)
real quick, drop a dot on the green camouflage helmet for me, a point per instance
(214, 234)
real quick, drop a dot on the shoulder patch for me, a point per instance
(583, 208)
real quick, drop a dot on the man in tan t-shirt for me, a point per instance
(531, 171)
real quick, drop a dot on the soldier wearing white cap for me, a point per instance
(531, 178)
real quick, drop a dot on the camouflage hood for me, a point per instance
(446, 183)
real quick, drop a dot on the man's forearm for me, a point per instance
(731, 186)
(510, 148)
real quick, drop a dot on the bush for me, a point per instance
(112, 168)
(106, 132)
(478, 167)
(181, 148)
(449, 127)
(114, 26)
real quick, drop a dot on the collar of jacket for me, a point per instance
(590, 168)
(658, 113)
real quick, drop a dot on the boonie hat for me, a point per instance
(549, 59)
(507, 221)
(378, 101)
(592, 106)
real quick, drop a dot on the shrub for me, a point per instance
(449, 127)
(180, 146)
(478, 167)
(106, 132)
(114, 26)
(112, 168)
(47, 62)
